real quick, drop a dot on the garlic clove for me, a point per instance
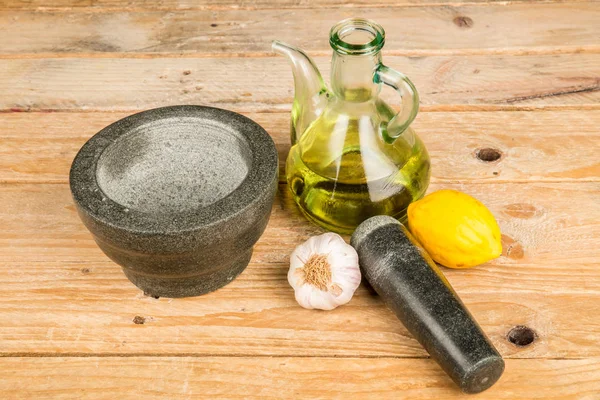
(332, 243)
(322, 300)
(303, 296)
(299, 258)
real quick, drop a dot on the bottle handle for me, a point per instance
(410, 100)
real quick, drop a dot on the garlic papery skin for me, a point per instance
(324, 272)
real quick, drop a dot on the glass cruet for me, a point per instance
(352, 155)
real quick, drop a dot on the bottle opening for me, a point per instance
(357, 36)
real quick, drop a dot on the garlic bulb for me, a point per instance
(324, 272)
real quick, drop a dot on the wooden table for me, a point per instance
(520, 78)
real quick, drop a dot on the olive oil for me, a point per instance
(342, 171)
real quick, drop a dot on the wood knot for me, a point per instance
(85, 271)
(214, 25)
(521, 211)
(521, 336)
(139, 320)
(462, 21)
(511, 248)
(488, 154)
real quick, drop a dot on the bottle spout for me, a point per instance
(310, 91)
(303, 67)
(285, 49)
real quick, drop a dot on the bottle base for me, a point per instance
(342, 230)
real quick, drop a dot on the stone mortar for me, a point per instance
(177, 196)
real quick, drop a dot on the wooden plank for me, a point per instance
(539, 217)
(39, 147)
(265, 84)
(513, 27)
(282, 378)
(112, 5)
(40, 4)
(545, 228)
(89, 308)
(62, 296)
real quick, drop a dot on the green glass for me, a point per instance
(352, 155)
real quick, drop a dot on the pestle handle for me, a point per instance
(413, 286)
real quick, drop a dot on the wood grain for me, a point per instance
(67, 312)
(426, 29)
(533, 144)
(282, 378)
(540, 220)
(70, 312)
(266, 84)
(62, 296)
(112, 5)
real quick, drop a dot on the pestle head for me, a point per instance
(413, 286)
(363, 231)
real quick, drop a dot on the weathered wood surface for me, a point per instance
(506, 28)
(117, 5)
(282, 378)
(551, 146)
(543, 219)
(266, 84)
(61, 294)
(94, 314)
(480, 68)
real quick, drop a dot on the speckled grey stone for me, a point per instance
(177, 196)
(412, 285)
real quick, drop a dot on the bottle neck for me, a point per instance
(352, 76)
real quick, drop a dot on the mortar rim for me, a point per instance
(88, 195)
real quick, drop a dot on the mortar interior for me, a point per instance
(173, 165)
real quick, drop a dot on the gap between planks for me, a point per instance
(440, 181)
(233, 355)
(244, 355)
(514, 51)
(441, 108)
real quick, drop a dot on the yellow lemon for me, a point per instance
(457, 230)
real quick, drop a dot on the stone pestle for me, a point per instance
(413, 286)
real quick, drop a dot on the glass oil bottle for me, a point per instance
(352, 155)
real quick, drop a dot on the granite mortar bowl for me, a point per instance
(177, 196)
